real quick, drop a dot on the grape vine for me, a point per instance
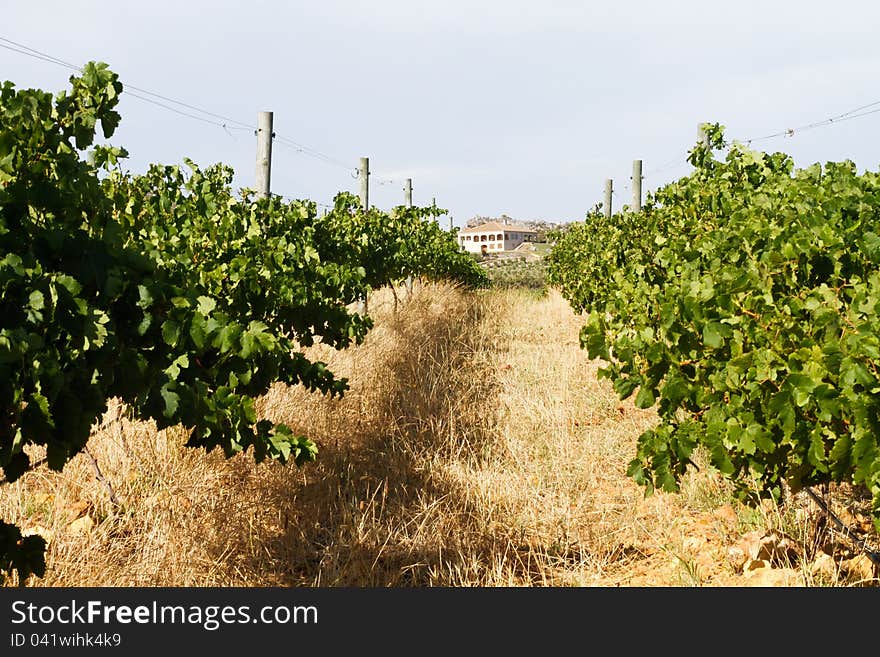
(169, 291)
(743, 302)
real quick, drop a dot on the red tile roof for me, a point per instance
(494, 227)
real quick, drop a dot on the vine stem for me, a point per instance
(873, 555)
(100, 477)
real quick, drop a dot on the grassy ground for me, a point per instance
(475, 448)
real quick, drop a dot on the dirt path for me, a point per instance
(569, 434)
(570, 440)
(475, 447)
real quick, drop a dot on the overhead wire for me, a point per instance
(387, 181)
(666, 166)
(854, 113)
(182, 113)
(31, 52)
(306, 150)
(228, 123)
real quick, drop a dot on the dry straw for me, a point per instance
(475, 448)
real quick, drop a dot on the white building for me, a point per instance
(493, 237)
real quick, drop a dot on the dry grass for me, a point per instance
(475, 448)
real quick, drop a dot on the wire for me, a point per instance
(238, 124)
(182, 113)
(387, 181)
(670, 164)
(855, 116)
(227, 124)
(306, 150)
(854, 113)
(21, 48)
(38, 54)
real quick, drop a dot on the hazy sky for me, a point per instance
(502, 106)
